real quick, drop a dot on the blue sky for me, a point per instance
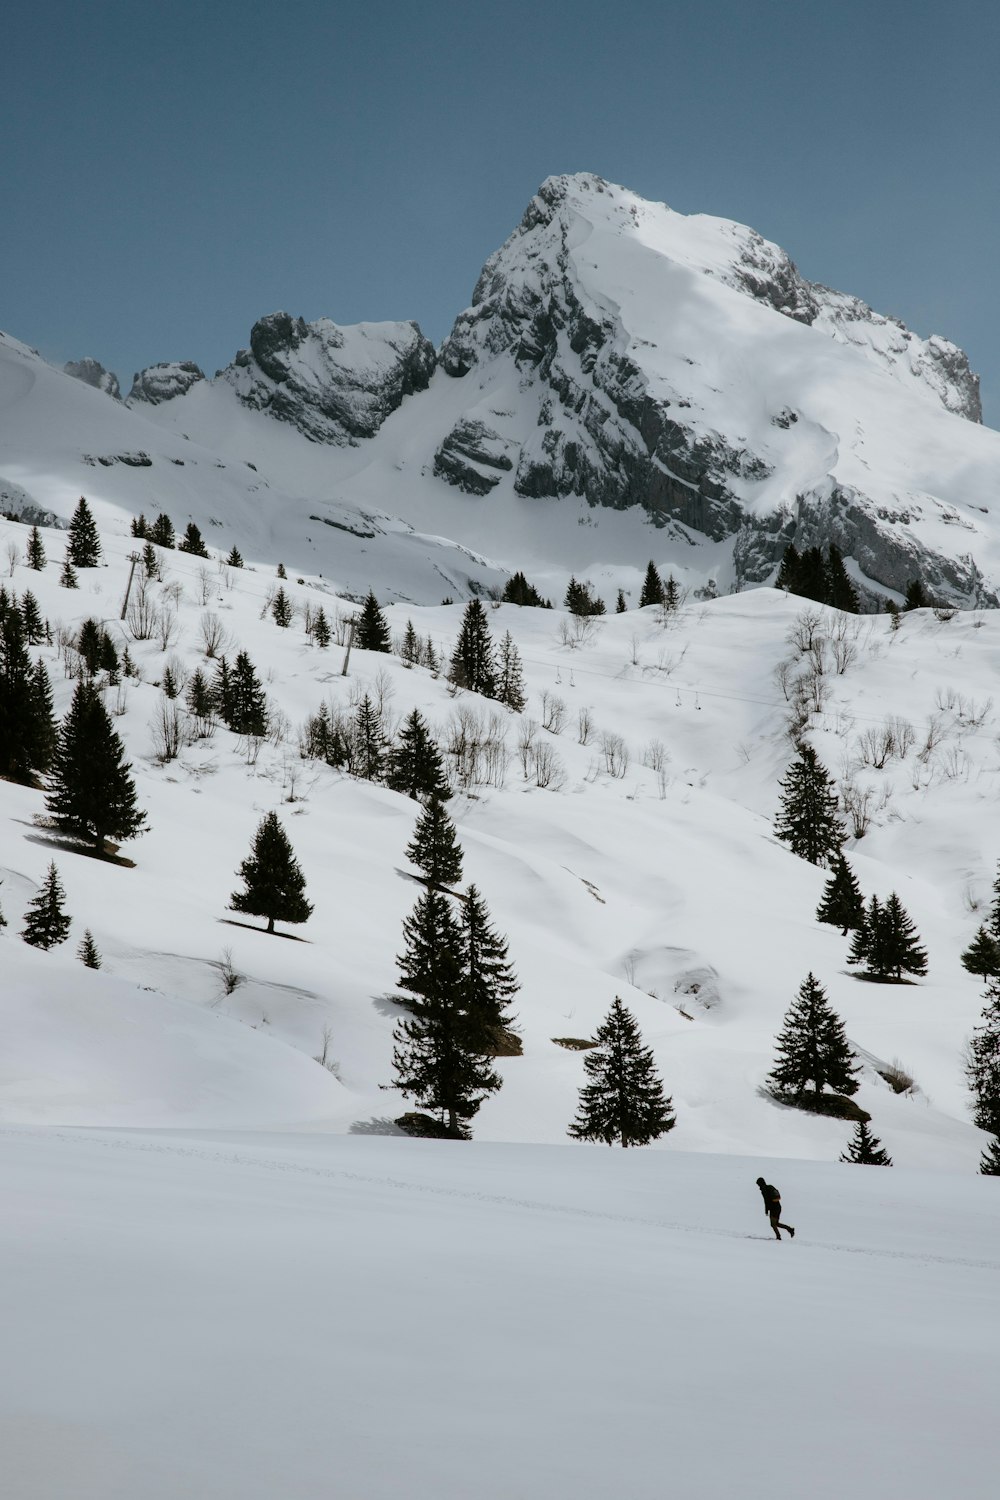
(170, 173)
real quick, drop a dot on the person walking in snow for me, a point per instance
(772, 1207)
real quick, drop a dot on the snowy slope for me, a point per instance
(663, 884)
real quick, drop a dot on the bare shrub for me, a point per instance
(13, 557)
(553, 712)
(206, 585)
(934, 732)
(228, 972)
(547, 768)
(655, 755)
(784, 676)
(527, 734)
(843, 643)
(476, 749)
(269, 598)
(167, 728)
(166, 627)
(214, 636)
(577, 630)
(858, 803)
(615, 753)
(805, 632)
(899, 1079)
(142, 613)
(584, 726)
(382, 691)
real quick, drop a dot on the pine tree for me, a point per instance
(371, 628)
(162, 531)
(88, 644)
(281, 609)
(809, 822)
(624, 1099)
(434, 848)
(139, 527)
(983, 954)
(473, 665)
(27, 729)
(887, 942)
(36, 550)
(324, 740)
(414, 765)
(200, 701)
(652, 588)
(168, 682)
(865, 1149)
(150, 562)
(840, 591)
(621, 607)
(488, 979)
(842, 905)
(45, 921)
(68, 578)
(192, 541)
(989, 1162)
(811, 580)
(812, 1049)
(788, 572)
(434, 1056)
(87, 951)
(31, 616)
(273, 878)
(410, 649)
(321, 630)
(368, 742)
(281, 571)
(671, 595)
(982, 1069)
(242, 704)
(234, 560)
(91, 795)
(83, 547)
(510, 676)
(519, 591)
(431, 659)
(916, 595)
(580, 599)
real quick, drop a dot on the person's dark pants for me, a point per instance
(774, 1214)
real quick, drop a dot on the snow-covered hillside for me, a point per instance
(645, 865)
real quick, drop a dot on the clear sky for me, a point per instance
(169, 173)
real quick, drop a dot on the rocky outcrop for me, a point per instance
(474, 457)
(92, 372)
(163, 382)
(335, 384)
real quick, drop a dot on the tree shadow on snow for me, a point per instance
(377, 1125)
(289, 937)
(69, 846)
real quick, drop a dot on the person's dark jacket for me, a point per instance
(770, 1195)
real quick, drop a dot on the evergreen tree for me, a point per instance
(87, 951)
(865, 1149)
(324, 740)
(168, 682)
(162, 531)
(36, 550)
(840, 591)
(68, 578)
(150, 562)
(273, 879)
(488, 979)
(31, 617)
(624, 1099)
(989, 1162)
(281, 571)
(811, 582)
(139, 527)
(281, 609)
(887, 942)
(368, 742)
(671, 594)
(812, 1049)
(510, 677)
(200, 700)
(842, 905)
(88, 643)
(192, 541)
(473, 665)
(91, 795)
(241, 700)
(788, 572)
(321, 630)
(410, 649)
(414, 766)
(371, 628)
(83, 548)
(431, 659)
(652, 588)
(26, 726)
(108, 661)
(916, 595)
(234, 560)
(982, 1069)
(621, 607)
(982, 956)
(809, 822)
(436, 1057)
(434, 848)
(518, 590)
(580, 599)
(45, 921)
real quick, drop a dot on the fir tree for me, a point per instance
(982, 1068)
(989, 1162)
(410, 649)
(31, 616)
(431, 659)
(36, 550)
(671, 594)
(368, 742)
(321, 630)
(788, 572)
(842, 905)
(473, 665)
(371, 628)
(488, 979)
(87, 951)
(652, 588)
(519, 591)
(510, 676)
(168, 682)
(812, 1049)
(68, 578)
(982, 956)
(580, 599)
(840, 591)
(281, 609)
(45, 921)
(887, 942)
(624, 1099)
(108, 659)
(139, 527)
(325, 740)
(234, 560)
(281, 571)
(916, 595)
(192, 541)
(88, 644)
(414, 765)
(26, 726)
(242, 704)
(91, 795)
(150, 562)
(621, 607)
(162, 531)
(434, 848)
(809, 822)
(811, 581)
(865, 1149)
(83, 545)
(435, 1056)
(273, 879)
(200, 701)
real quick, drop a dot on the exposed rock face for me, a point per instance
(335, 384)
(473, 457)
(92, 372)
(165, 381)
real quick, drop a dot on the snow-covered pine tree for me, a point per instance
(273, 879)
(473, 664)
(36, 550)
(434, 848)
(510, 676)
(87, 951)
(842, 905)
(652, 587)
(414, 764)
(369, 745)
(865, 1149)
(91, 795)
(83, 544)
(809, 822)
(982, 1068)
(281, 609)
(434, 1057)
(887, 942)
(45, 921)
(371, 628)
(68, 578)
(812, 1049)
(488, 979)
(624, 1099)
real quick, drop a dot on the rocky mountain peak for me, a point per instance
(92, 372)
(164, 381)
